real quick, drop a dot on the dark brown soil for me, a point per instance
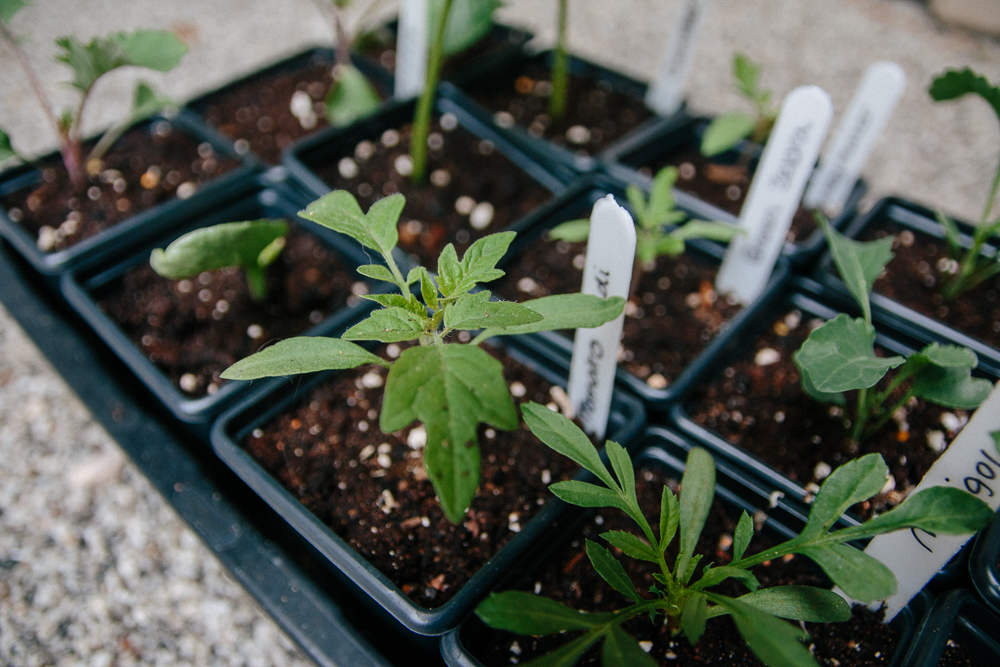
(956, 656)
(570, 578)
(914, 278)
(371, 488)
(256, 113)
(722, 185)
(763, 410)
(146, 166)
(597, 115)
(460, 165)
(672, 317)
(199, 327)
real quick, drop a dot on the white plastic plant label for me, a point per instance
(666, 93)
(972, 463)
(775, 193)
(411, 48)
(873, 103)
(608, 272)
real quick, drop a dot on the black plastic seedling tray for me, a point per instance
(309, 601)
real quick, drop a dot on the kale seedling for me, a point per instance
(153, 49)
(840, 355)
(683, 598)
(251, 245)
(449, 387)
(973, 265)
(730, 128)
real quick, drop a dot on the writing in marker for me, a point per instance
(791, 158)
(684, 38)
(770, 219)
(601, 278)
(594, 354)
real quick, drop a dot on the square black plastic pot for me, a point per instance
(83, 290)
(657, 145)
(921, 222)
(957, 617)
(249, 89)
(577, 202)
(626, 422)
(137, 228)
(559, 158)
(984, 565)
(667, 451)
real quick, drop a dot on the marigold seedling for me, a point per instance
(153, 49)
(974, 266)
(683, 599)
(840, 355)
(251, 245)
(731, 128)
(449, 387)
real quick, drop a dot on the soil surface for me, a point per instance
(722, 185)
(757, 404)
(914, 277)
(194, 329)
(597, 114)
(148, 165)
(672, 316)
(472, 189)
(570, 578)
(372, 490)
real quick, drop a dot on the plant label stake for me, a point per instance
(666, 93)
(608, 272)
(971, 463)
(869, 111)
(775, 192)
(411, 48)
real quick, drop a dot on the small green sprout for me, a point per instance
(682, 598)
(731, 128)
(251, 245)
(973, 265)
(153, 49)
(449, 387)
(560, 67)
(840, 355)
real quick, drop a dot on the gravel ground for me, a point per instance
(95, 568)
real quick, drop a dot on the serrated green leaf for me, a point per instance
(584, 494)
(621, 463)
(390, 301)
(572, 231)
(775, 642)
(840, 356)
(942, 510)
(611, 570)
(339, 211)
(859, 263)
(851, 483)
(630, 545)
(476, 311)
(621, 649)
(717, 575)
(689, 571)
(382, 219)
(697, 492)
(669, 516)
(478, 265)
(468, 22)
(954, 83)
(743, 535)
(216, 247)
(666, 244)
(389, 325)
(10, 7)
(351, 97)
(565, 311)
(661, 195)
(450, 389)
(725, 132)
(153, 49)
(304, 354)
(526, 614)
(800, 603)
(693, 617)
(860, 576)
(566, 438)
(449, 271)
(376, 272)
(158, 50)
(414, 275)
(747, 75)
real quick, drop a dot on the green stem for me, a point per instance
(256, 282)
(422, 119)
(886, 416)
(862, 415)
(560, 68)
